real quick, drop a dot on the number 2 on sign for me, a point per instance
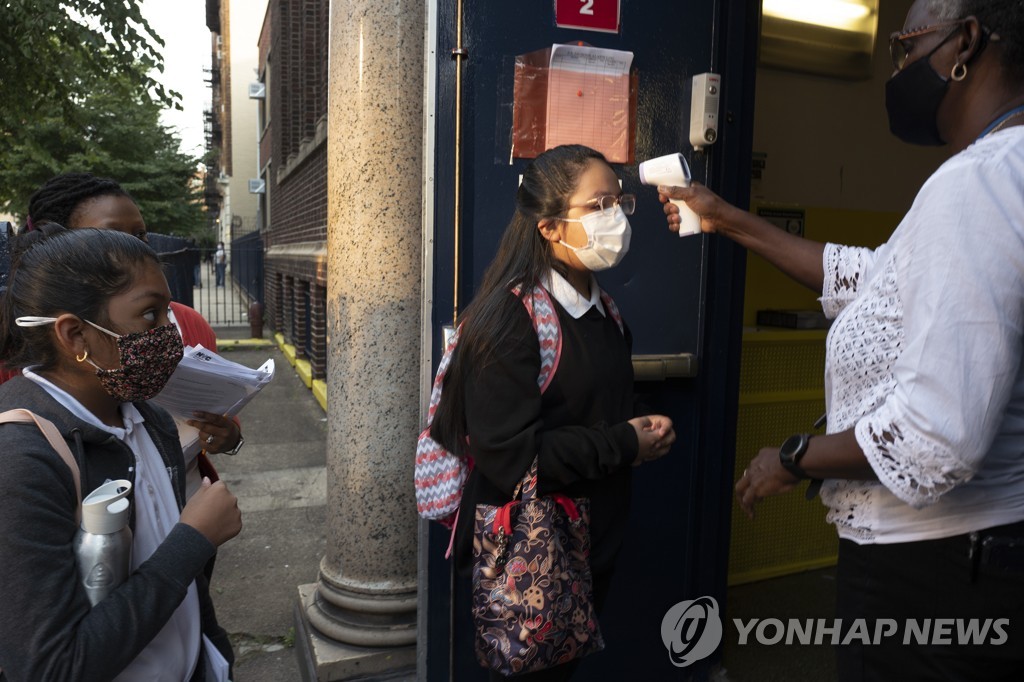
(588, 7)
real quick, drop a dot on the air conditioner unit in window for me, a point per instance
(257, 90)
(257, 186)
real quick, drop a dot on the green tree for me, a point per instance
(51, 49)
(119, 135)
(77, 94)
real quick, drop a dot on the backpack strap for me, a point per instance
(56, 441)
(439, 475)
(442, 369)
(613, 310)
(549, 332)
(549, 335)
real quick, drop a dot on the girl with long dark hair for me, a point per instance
(570, 221)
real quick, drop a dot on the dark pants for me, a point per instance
(933, 579)
(220, 269)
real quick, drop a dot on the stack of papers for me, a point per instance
(206, 381)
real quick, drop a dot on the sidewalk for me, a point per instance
(279, 479)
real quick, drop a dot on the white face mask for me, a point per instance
(607, 239)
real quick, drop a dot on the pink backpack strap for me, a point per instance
(438, 475)
(451, 537)
(442, 369)
(56, 441)
(549, 332)
(613, 310)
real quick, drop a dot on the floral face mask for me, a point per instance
(148, 359)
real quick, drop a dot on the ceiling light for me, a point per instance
(844, 15)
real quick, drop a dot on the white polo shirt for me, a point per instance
(174, 652)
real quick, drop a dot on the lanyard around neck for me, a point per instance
(1002, 119)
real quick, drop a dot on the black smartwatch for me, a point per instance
(792, 451)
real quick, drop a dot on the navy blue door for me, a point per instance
(679, 295)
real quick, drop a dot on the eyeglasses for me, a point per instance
(900, 50)
(607, 203)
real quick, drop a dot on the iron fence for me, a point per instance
(226, 303)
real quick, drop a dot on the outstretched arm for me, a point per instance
(797, 257)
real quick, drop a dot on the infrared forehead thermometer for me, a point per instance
(672, 170)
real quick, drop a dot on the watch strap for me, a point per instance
(792, 451)
(234, 451)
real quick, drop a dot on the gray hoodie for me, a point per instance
(47, 629)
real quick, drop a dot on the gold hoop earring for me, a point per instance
(83, 357)
(962, 75)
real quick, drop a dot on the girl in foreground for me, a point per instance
(86, 314)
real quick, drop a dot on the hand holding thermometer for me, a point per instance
(673, 171)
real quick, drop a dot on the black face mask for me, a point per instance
(912, 99)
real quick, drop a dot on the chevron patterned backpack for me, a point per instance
(439, 474)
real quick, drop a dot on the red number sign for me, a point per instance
(589, 15)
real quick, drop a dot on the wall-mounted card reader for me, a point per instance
(707, 88)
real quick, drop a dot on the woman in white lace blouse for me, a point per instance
(923, 463)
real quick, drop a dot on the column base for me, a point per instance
(326, 660)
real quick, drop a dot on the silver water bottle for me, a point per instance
(103, 544)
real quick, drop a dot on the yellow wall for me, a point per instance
(781, 393)
(767, 288)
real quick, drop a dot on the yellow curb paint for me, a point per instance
(305, 372)
(289, 353)
(320, 392)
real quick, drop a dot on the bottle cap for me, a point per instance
(105, 510)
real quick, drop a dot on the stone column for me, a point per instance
(363, 608)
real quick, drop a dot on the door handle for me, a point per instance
(662, 367)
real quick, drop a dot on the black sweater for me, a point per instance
(578, 428)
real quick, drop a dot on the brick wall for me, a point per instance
(299, 203)
(225, 85)
(293, 48)
(318, 328)
(264, 40)
(266, 119)
(298, 45)
(289, 281)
